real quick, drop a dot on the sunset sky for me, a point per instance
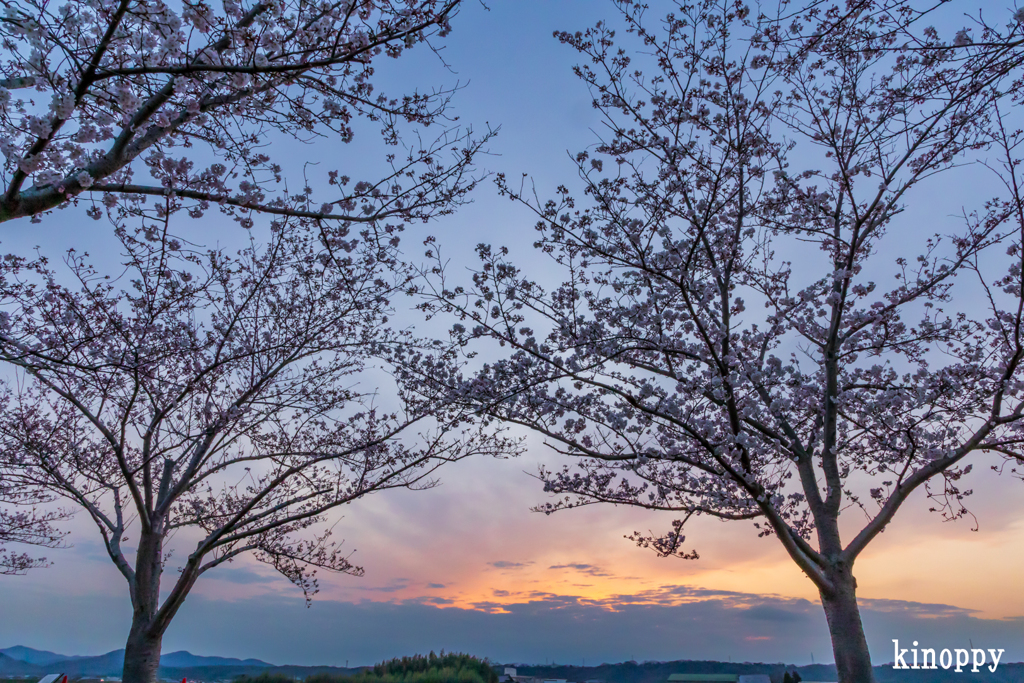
(467, 566)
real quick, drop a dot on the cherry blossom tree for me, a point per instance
(753, 322)
(25, 520)
(106, 99)
(27, 515)
(228, 398)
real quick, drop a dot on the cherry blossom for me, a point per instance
(26, 518)
(225, 395)
(103, 99)
(750, 325)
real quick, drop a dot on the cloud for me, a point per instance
(773, 613)
(505, 564)
(922, 609)
(393, 587)
(435, 585)
(583, 568)
(664, 624)
(242, 575)
(428, 600)
(439, 601)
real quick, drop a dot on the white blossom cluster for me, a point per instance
(131, 98)
(686, 361)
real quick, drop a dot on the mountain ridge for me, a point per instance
(20, 660)
(33, 656)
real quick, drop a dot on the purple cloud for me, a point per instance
(505, 564)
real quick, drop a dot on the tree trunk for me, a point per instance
(850, 647)
(141, 652)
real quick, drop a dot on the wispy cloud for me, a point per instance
(242, 575)
(428, 600)
(582, 568)
(393, 587)
(922, 609)
(506, 564)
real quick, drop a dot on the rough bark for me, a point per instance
(850, 647)
(142, 651)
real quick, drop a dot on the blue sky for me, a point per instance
(467, 566)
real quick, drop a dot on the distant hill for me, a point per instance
(27, 654)
(9, 666)
(25, 661)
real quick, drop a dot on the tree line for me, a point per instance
(431, 668)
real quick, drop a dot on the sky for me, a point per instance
(467, 566)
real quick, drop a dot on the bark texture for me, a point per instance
(850, 647)
(142, 651)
